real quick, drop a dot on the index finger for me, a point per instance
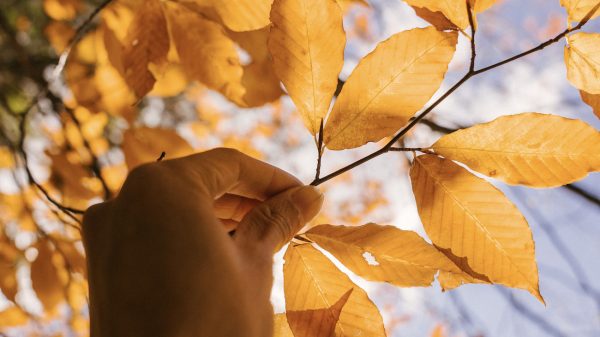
(225, 170)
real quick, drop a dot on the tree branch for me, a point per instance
(319, 151)
(465, 78)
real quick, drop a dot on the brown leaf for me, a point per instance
(45, 279)
(591, 100)
(143, 145)
(206, 53)
(468, 217)
(312, 282)
(147, 41)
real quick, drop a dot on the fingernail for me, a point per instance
(309, 200)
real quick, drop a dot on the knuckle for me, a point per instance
(277, 218)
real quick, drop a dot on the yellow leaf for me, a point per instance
(281, 328)
(383, 253)
(578, 9)
(448, 14)
(438, 331)
(529, 149)
(582, 57)
(6, 158)
(206, 53)
(259, 79)
(241, 15)
(12, 316)
(59, 34)
(388, 86)
(468, 218)
(45, 279)
(142, 145)
(170, 81)
(591, 100)
(147, 41)
(307, 45)
(62, 9)
(312, 282)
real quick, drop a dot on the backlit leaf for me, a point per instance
(448, 14)
(529, 149)
(241, 15)
(582, 57)
(578, 9)
(259, 80)
(591, 100)
(312, 282)
(206, 53)
(327, 318)
(388, 86)
(469, 219)
(397, 256)
(45, 279)
(307, 44)
(147, 41)
(143, 145)
(281, 328)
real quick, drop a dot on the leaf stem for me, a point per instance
(472, 72)
(319, 151)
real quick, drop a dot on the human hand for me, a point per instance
(186, 248)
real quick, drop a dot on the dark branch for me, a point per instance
(530, 315)
(319, 151)
(584, 194)
(465, 78)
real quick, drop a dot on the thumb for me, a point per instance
(274, 222)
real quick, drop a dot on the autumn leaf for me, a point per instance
(448, 14)
(307, 44)
(399, 257)
(312, 282)
(44, 278)
(582, 57)
(466, 217)
(578, 9)
(388, 86)
(531, 149)
(241, 15)
(12, 316)
(259, 80)
(206, 53)
(147, 41)
(62, 9)
(143, 145)
(281, 328)
(591, 100)
(327, 318)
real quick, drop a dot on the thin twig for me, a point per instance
(319, 151)
(465, 78)
(162, 156)
(21, 147)
(410, 149)
(472, 25)
(79, 33)
(583, 193)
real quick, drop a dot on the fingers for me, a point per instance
(273, 223)
(226, 170)
(233, 207)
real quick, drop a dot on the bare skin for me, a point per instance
(162, 257)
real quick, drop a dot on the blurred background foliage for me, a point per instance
(70, 132)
